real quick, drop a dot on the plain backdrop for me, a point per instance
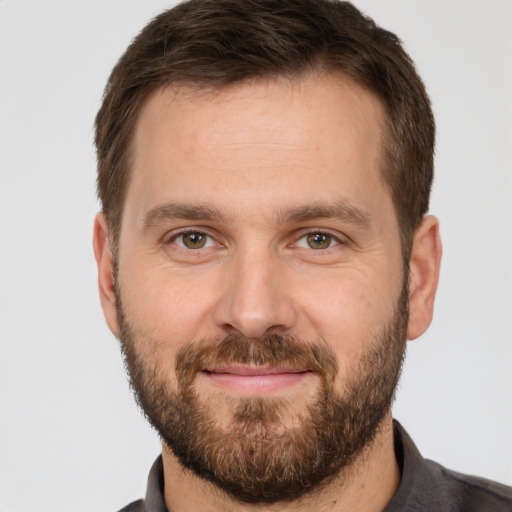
(71, 437)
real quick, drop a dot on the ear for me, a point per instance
(104, 260)
(424, 276)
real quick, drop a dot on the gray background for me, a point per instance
(71, 437)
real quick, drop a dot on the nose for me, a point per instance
(255, 301)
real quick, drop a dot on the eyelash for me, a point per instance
(334, 238)
(172, 239)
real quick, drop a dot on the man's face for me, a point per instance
(260, 289)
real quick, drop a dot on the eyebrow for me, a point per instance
(342, 211)
(169, 211)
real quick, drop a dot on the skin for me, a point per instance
(262, 157)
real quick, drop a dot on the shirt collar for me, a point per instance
(155, 490)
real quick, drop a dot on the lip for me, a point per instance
(255, 380)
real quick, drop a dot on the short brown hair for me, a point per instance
(216, 43)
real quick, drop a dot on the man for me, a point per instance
(264, 170)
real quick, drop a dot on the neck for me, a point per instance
(367, 485)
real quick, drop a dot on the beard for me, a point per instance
(268, 452)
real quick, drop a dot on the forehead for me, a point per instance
(317, 103)
(276, 141)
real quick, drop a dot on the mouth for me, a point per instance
(255, 380)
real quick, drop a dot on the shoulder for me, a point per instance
(471, 493)
(426, 485)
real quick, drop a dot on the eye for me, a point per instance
(317, 240)
(193, 240)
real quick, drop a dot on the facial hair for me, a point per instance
(259, 458)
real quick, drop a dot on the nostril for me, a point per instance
(229, 329)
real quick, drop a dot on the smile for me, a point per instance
(255, 380)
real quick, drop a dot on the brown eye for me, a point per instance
(192, 240)
(319, 240)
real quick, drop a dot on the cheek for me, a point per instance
(170, 309)
(347, 313)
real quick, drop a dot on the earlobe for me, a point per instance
(424, 276)
(104, 260)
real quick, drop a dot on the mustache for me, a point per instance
(271, 350)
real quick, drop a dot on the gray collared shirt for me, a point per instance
(425, 486)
